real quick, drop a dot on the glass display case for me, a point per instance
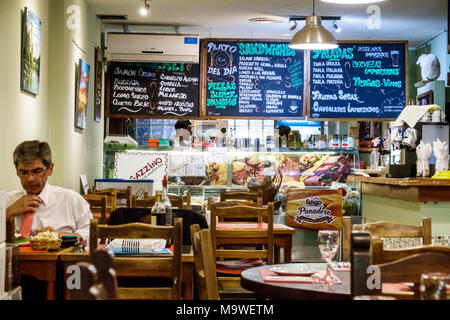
(204, 171)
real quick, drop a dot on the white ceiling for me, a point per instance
(414, 20)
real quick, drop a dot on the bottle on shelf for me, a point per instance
(375, 155)
(158, 208)
(166, 202)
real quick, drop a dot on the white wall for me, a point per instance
(50, 115)
(23, 116)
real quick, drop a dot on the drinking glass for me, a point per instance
(433, 286)
(328, 241)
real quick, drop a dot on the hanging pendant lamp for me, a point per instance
(313, 36)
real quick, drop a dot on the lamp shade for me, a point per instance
(313, 36)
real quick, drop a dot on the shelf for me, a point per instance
(233, 151)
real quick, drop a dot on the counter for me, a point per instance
(407, 201)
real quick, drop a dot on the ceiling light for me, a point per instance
(313, 36)
(336, 27)
(352, 1)
(145, 9)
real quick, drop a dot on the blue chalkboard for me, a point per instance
(252, 78)
(358, 81)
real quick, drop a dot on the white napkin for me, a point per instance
(423, 154)
(440, 150)
(137, 245)
(412, 114)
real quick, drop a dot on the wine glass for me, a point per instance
(433, 286)
(328, 241)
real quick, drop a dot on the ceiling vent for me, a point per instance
(112, 17)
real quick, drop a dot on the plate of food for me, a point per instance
(294, 271)
(21, 240)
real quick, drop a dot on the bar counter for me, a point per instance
(407, 201)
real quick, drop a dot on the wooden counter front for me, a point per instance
(408, 189)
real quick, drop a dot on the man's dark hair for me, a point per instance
(29, 151)
(284, 130)
(182, 124)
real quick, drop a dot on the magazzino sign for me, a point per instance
(142, 166)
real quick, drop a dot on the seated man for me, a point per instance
(42, 206)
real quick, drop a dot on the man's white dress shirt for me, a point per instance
(62, 209)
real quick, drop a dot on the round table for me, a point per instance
(251, 280)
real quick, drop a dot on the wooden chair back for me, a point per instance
(232, 203)
(254, 196)
(205, 264)
(139, 265)
(380, 255)
(263, 236)
(120, 193)
(148, 202)
(101, 205)
(407, 269)
(360, 261)
(10, 230)
(384, 229)
(187, 201)
(97, 279)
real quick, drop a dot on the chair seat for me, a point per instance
(236, 267)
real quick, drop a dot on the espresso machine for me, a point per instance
(403, 158)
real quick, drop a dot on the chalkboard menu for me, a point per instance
(252, 78)
(144, 90)
(358, 81)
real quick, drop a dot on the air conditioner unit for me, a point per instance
(137, 47)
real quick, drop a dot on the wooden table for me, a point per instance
(41, 265)
(70, 258)
(282, 237)
(251, 280)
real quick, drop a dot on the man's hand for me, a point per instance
(28, 203)
(60, 234)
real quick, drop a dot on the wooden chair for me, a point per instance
(246, 237)
(148, 202)
(205, 264)
(380, 255)
(232, 203)
(139, 265)
(384, 229)
(120, 194)
(407, 269)
(101, 205)
(97, 279)
(253, 196)
(187, 201)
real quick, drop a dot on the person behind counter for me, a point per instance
(183, 132)
(283, 132)
(41, 206)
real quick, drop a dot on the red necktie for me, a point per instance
(27, 221)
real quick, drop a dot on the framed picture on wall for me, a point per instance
(98, 84)
(31, 52)
(425, 98)
(81, 100)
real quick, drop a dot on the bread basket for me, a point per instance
(40, 244)
(46, 241)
